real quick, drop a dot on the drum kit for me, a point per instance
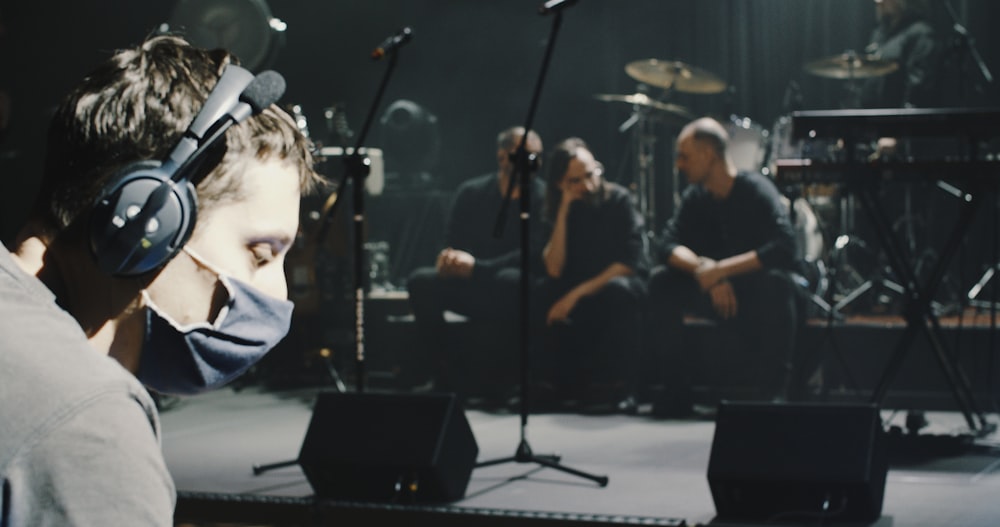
(815, 211)
(647, 112)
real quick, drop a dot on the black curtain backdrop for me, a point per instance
(473, 64)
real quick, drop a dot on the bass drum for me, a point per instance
(748, 142)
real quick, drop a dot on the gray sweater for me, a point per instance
(79, 435)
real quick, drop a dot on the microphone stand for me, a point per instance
(356, 168)
(524, 165)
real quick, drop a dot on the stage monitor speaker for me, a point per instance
(785, 461)
(382, 447)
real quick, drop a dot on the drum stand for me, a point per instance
(881, 275)
(975, 290)
(875, 276)
(840, 265)
(993, 305)
(643, 148)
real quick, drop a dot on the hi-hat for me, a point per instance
(643, 100)
(850, 65)
(674, 75)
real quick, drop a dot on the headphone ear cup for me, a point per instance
(142, 220)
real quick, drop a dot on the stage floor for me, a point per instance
(656, 467)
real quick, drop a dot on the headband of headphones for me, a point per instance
(149, 209)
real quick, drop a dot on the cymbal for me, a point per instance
(641, 99)
(850, 65)
(676, 75)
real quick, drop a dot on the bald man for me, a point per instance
(725, 254)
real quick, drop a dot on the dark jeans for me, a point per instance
(491, 303)
(601, 342)
(766, 323)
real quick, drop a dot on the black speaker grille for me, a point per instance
(388, 447)
(772, 461)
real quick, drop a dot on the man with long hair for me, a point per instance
(595, 266)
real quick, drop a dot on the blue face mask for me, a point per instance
(185, 360)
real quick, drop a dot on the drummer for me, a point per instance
(903, 35)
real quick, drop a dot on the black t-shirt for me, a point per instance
(603, 233)
(913, 47)
(473, 218)
(751, 218)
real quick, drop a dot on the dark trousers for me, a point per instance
(492, 305)
(765, 324)
(599, 345)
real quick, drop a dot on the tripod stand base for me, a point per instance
(525, 455)
(260, 469)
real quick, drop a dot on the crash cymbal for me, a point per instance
(641, 99)
(675, 75)
(850, 65)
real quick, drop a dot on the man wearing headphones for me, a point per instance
(148, 259)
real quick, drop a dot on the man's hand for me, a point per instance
(452, 262)
(885, 149)
(708, 273)
(560, 310)
(723, 299)
(569, 194)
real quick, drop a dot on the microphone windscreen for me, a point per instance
(265, 89)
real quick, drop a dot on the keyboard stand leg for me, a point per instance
(918, 312)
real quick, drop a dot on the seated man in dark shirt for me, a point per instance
(594, 265)
(477, 275)
(727, 252)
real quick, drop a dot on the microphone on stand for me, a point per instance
(392, 43)
(264, 90)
